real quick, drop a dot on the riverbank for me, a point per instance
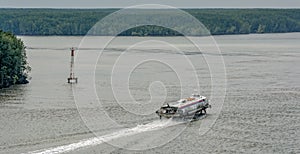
(78, 22)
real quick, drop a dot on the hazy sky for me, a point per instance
(127, 3)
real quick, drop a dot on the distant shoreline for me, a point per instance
(148, 36)
(78, 22)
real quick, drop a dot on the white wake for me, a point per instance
(155, 125)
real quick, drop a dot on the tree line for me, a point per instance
(13, 62)
(80, 21)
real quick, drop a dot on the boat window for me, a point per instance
(190, 99)
(196, 95)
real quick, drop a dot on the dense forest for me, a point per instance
(13, 63)
(80, 21)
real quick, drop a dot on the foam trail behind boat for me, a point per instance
(155, 125)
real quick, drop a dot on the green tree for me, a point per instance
(79, 21)
(13, 61)
(261, 28)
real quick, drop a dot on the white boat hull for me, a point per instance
(191, 107)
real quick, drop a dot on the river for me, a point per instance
(257, 110)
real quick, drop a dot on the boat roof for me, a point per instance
(189, 100)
